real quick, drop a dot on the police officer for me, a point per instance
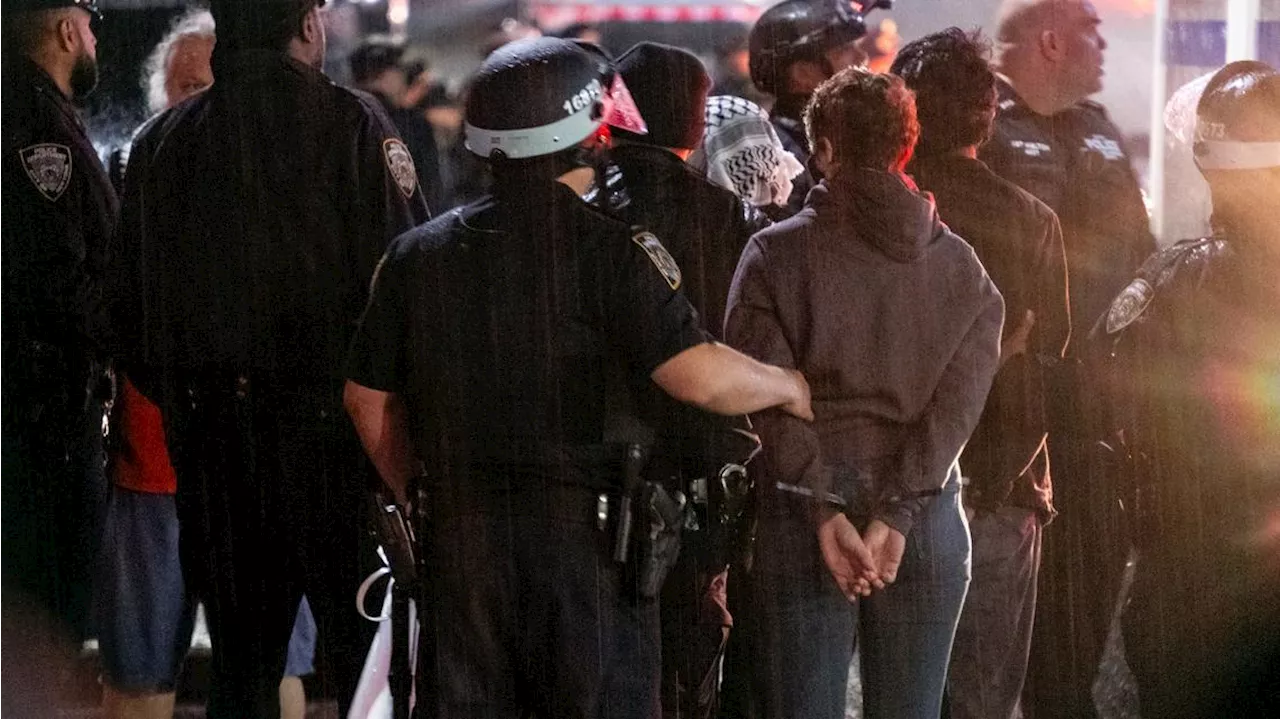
(233, 302)
(499, 350)
(1009, 493)
(705, 227)
(1061, 147)
(59, 213)
(1193, 341)
(794, 46)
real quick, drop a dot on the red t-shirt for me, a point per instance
(142, 462)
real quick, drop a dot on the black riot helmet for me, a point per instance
(803, 30)
(542, 96)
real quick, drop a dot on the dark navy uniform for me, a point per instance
(705, 227)
(1074, 162)
(254, 217)
(1191, 343)
(59, 214)
(500, 324)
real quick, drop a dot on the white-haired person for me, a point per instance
(144, 614)
(741, 152)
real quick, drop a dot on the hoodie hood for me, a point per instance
(885, 210)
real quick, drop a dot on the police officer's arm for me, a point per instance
(941, 432)
(376, 372)
(389, 198)
(382, 424)
(56, 235)
(657, 328)
(722, 380)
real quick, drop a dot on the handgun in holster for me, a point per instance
(397, 531)
(650, 519)
(394, 531)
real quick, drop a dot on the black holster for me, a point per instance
(657, 547)
(650, 519)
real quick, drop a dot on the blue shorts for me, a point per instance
(143, 614)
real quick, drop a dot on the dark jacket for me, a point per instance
(1019, 242)
(59, 214)
(254, 216)
(1075, 162)
(895, 324)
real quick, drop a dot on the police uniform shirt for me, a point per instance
(499, 325)
(254, 216)
(1075, 162)
(59, 213)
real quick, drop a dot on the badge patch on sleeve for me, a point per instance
(661, 259)
(49, 167)
(400, 163)
(1129, 305)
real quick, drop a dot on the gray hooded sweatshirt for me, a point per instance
(896, 325)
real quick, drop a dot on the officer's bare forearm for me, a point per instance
(380, 420)
(719, 379)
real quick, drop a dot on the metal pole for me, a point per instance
(1242, 29)
(1159, 96)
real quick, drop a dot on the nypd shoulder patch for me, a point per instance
(659, 256)
(1129, 305)
(400, 164)
(49, 167)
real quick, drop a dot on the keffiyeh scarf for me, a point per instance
(741, 152)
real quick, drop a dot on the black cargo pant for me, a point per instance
(271, 491)
(530, 615)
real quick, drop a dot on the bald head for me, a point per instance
(1051, 50)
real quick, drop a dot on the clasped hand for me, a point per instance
(860, 563)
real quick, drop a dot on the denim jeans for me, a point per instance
(803, 629)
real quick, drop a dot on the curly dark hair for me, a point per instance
(869, 119)
(955, 88)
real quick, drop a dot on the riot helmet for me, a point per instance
(796, 30)
(542, 96)
(1238, 119)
